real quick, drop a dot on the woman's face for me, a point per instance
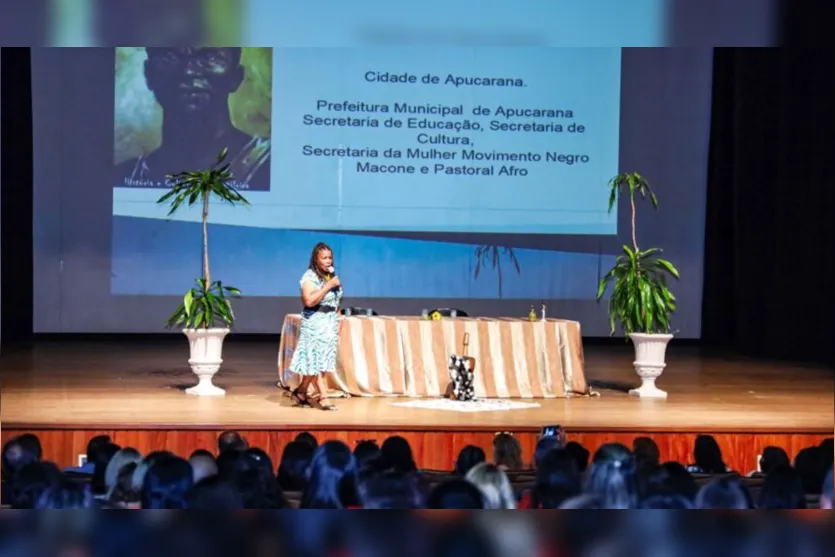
(324, 260)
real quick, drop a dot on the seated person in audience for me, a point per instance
(114, 468)
(469, 457)
(366, 451)
(708, 457)
(32, 445)
(102, 459)
(94, 447)
(557, 480)
(332, 478)
(213, 493)
(66, 494)
(494, 486)
(231, 441)
(307, 437)
(771, 459)
(226, 462)
(613, 477)
(543, 446)
(388, 489)
(254, 479)
(31, 482)
(782, 489)
(455, 494)
(397, 454)
(203, 465)
(810, 464)
(166, 483)
(507, 452)
(728, 493)
(143, 466)
(16, 455)
(292, 470)
(647, 455)
(580, 453)
(671, 479)
(123, 495)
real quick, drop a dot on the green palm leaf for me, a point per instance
(207, 303)
(640, 299)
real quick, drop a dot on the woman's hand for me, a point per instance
(333, 283)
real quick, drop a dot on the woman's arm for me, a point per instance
(311, 295)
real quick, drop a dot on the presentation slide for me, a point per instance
(442, 176)
(496, 140)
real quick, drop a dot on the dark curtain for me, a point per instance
(770, 230)
(17, 190)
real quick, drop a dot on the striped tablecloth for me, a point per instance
(515, 358)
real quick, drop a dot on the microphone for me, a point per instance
(332, 272)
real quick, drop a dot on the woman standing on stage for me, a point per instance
(315, 354)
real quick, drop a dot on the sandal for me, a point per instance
(299, 399)
(316, 402)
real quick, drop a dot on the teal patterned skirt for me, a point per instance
(316, 349)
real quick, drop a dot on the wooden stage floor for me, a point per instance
(81, 387)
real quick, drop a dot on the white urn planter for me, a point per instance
(206, 349)
(650, 361)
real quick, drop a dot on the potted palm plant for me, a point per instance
(205, 315)
(640, 302)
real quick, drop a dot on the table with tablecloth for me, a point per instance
(409, 356)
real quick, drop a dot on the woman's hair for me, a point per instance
(214, 494)
(668, 480)
(708, 455)
(494, 485)
(455, 494)
(389, 490)
(101, 460)
(253, 477)
(397, 455)
(366, 451)
(613, 477)
(16, 455)
(124, 493)
(811, 466)
(166, 483)
(647, 455)
(31, 481)
(580, 454)
(144, 465)
(117, 462)
(727, 493)
(773, 458)
(331, 478)
(65, 494)
(307, 437)
(314, 257)
(544, 446)
(507, 452)
(469, 457)
(782, 489)
(557, 479)
(292, 470)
